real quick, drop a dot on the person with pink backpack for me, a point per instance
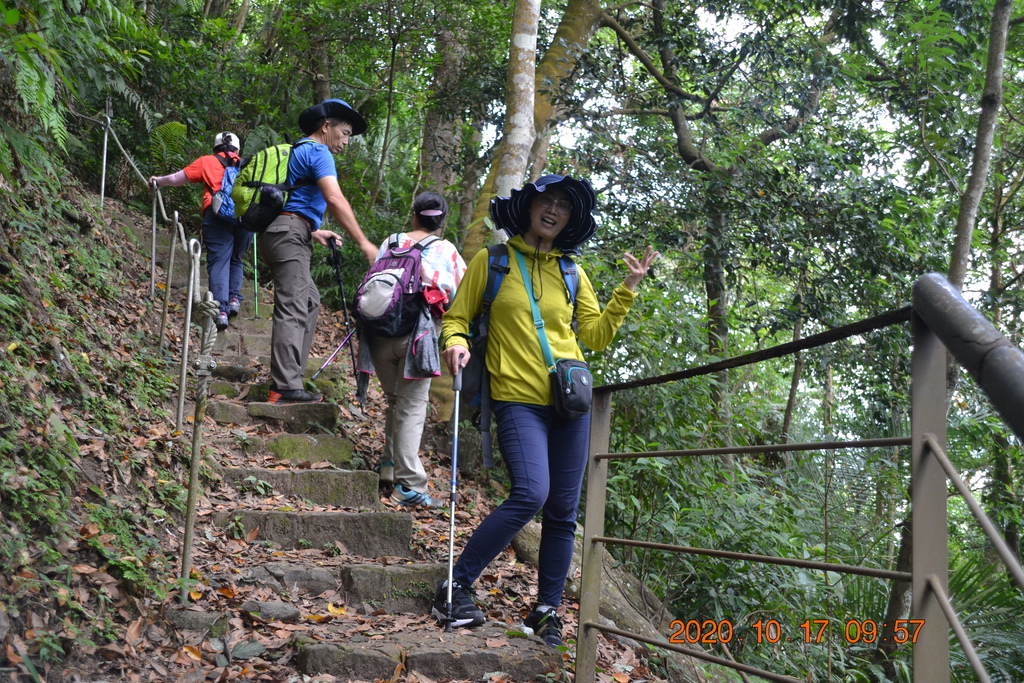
(399, 305)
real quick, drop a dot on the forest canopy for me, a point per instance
(798, 164)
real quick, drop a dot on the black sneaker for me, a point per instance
(221, 321)
(543, 621)
(291, 396)
(464, 610)
(234, 306)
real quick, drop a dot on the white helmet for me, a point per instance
(229, 140)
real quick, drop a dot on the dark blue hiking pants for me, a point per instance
(546, 457)
(226, 245)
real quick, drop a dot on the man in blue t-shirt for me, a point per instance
(287, 245)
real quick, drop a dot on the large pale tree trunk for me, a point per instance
(519, 97)
(553, 75)
(509, 165)
(243, 13)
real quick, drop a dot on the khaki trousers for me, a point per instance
(408, 400)
(287, 249)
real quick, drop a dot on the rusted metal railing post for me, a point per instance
(169, 276)
(204, 365)
(929, 523)
(593, 525)
(193, 295)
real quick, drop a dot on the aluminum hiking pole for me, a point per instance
(331, 357)
(255, 280)
(457, 388)
(336, 262)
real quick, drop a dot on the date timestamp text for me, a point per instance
(811, 631)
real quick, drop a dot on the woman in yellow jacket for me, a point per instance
(545, 453)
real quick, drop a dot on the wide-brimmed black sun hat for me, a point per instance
(512, 214)
(332, 109)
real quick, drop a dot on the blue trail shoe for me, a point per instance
(407, 497)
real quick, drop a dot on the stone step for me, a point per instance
(337, 450)
(396, 589)
(245, 324)
(284, 577)
(295, 419)
(340, 488)
(368, 534)
(439, 656)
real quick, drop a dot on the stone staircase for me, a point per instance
(293, 527)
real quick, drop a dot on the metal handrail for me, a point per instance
(961, 635)
(1005, 554)
(204, 363)
(696, 654)
(597, 482)
(763, 559)
(846, 331)
(994, 363)
(941, 319)
(890, 442)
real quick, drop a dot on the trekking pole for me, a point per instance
(331, 357)
(255, 280)
(457, 388)
(336, 259)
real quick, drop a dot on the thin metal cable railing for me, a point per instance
(208, 308)
(191, 248)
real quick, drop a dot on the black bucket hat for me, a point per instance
(333, 109)
(512, 214)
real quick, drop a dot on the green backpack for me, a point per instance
(261, 188)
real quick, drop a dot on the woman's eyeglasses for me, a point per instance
(559, 205)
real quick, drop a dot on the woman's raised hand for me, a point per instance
(637, 269)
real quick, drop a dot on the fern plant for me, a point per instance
(169, 146)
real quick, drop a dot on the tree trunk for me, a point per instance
(798, 366)
(442, 132)
(794, 385)
(828, 403)
(1003, 498)
(552, 77)
(991, 102)
(321, 65)
(717, 294)
(243, 13)
(898, 607)
(439, 161)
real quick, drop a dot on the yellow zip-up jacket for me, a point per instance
(514, 357)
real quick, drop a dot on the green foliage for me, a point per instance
(254, 485)
(170, 146)
(828, 223)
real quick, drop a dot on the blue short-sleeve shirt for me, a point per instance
(309, 159)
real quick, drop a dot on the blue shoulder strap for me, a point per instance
(571, 277)
(497, 268)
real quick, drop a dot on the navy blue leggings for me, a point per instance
(546, 457)
(225, 246)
